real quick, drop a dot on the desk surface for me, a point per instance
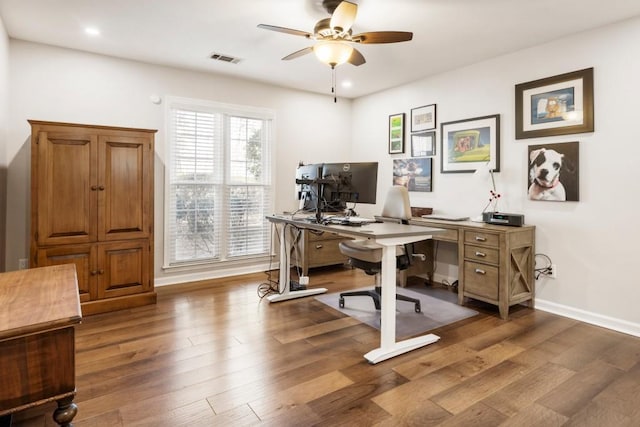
(376, 230)
(37, 299)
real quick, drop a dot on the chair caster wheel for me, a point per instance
(341, 302)
(418, 308)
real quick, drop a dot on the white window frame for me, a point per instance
(173, 102)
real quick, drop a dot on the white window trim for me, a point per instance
(224, 108)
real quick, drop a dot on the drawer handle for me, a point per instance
(481, 254)
(318, 246)
(481, 239)
(480, 271)
(94, 272)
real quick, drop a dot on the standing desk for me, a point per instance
(386, 234)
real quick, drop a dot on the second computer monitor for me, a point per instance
(349, 183)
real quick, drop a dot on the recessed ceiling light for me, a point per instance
(347, 83)
(92, 31)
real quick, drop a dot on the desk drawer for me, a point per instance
(482, 254)
(325, 235)
(481, 280)
(325, 252)
(481, 238)
(449, 235)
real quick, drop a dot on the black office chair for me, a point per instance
(367, 255)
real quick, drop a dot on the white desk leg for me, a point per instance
(284, 277)
(388, 346)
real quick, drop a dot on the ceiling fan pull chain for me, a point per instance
(334, 91)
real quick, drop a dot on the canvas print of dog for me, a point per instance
(553, 172)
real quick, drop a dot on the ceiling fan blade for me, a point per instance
(356, 58)
(344, 16)
(285, 30)
(298, 53)
(382, 37)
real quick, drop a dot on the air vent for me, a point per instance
(225, 58)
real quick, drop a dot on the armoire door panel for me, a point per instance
(67, 194)
(124, 268)
(84, 258)
(124, 184)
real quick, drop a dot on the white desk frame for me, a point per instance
(387, 235)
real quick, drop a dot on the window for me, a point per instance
(218, 183)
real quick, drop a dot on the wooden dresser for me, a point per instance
(92, 206)
(315, 249)
(495, 263)
(40, 309)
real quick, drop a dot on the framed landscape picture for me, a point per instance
(396, 133)
(557, 105)
(466, 145)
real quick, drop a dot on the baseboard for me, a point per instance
(209, 274)
(589, 317)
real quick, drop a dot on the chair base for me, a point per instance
(375, 295)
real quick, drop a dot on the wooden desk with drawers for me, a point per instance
(495, 263)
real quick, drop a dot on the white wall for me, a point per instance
(4, 103)
(593, 241)
(64, 85)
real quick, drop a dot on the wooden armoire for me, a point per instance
(92, 206)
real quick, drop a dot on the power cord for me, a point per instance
(546, 270)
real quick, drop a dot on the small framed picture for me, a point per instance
(553, 173)
(423, 144)
(423, 118)
(469, 144)
(557, 105)
(396, 133)
(415, 174)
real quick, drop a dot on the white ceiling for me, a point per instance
(184, 33)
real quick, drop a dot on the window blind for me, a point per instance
(219, 188)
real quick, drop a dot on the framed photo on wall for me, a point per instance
(396, 133)
(553, 172)
(423, 144)
(415, 174)
(466, 145)
(557, 105)
(423, 118)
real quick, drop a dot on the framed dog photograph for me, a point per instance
(396, 133)
(557, 105)
(423, 118)
(553, 172)
(466, 145)
(415, 174)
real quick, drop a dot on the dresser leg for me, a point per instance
(65, 412)
(5, 421)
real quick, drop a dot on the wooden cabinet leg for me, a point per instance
(65, 412)
(5, 421)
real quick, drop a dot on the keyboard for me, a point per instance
(349, 220)
(446, 217)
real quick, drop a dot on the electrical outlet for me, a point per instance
(23, 264)
(553, 274)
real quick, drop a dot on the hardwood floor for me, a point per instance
(213, 354)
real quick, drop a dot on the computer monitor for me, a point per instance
(328, 187)
(348, 183)
(306, 188)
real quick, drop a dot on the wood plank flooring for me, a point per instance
(213, 354)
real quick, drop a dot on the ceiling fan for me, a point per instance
(335, 36)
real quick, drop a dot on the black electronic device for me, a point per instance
(501, 218)
(328, 187)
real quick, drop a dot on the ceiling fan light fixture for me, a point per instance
(333, 53)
